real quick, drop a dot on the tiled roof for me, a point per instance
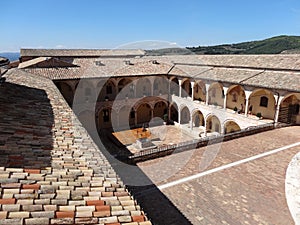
(269, 71)
(51, 172)
(44, 62)
(81, 52)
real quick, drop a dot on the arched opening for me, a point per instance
(198, 119)
(107, 118)
(174, 86)
(143, 87)
(143, 114)
(85, 92)
(186, 88)
(126, 118)
(174, 112)
(66, 90)
(160, 109)
(236, 98)
(213, 124)
(125, 89)
(216, 94)
(231, 127)
(185, 116)
(262, 103)
(160, 86)
(199, 91)
(289, 109)
(108, 91)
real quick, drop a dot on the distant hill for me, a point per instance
(12, 56)
(274, 45)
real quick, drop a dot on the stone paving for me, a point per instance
(250, 193)
(51, 172)
(160, 136)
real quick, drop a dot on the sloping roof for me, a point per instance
(51, 170)
(81, 52)
(45, 62)
(269, 71)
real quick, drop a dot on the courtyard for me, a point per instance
(250, 192)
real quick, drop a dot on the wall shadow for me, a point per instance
(26, 120)
(159, 209)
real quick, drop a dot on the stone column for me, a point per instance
(279, 100)
(192, 86)
(247, 95)
(180, 88)
(179, 115)
(207, 97)
(191, 122)
(135, 117)
(225, 89)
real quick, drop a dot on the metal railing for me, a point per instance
(196, 143)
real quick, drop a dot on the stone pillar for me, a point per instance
(207, 97)
(191, 122)
(135, 117)
(179, 116)
(180, 88)
(247, 95)
(192, 86)
(225, 89)
(279, 100)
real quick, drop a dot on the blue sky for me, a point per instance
(109, 24)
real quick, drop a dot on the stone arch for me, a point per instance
(213, 124)
(236, 98)
(108, 90)
(107, 118)
(198, 118)
(216, 94)
(231, 126)
(143, 87)
(160, 86)
(185, 116)
(144, 113)
(186, 88)
(199, 91)
(126, 116)
(160, 109)
(85, 91)
(262, 101)
(289, 111)
(66, 90)
(174, 112)
(126, 88)
(174, 86)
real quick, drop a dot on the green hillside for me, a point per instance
(274, 45)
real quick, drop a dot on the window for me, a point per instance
(105, 115)
(234, 97)
(264, 101)
(132, 114)
(109, 89)
(213, 92)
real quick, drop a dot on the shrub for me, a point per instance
(258, 115)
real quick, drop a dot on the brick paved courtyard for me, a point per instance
(250, 193)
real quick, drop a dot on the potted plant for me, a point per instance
(259, 115)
